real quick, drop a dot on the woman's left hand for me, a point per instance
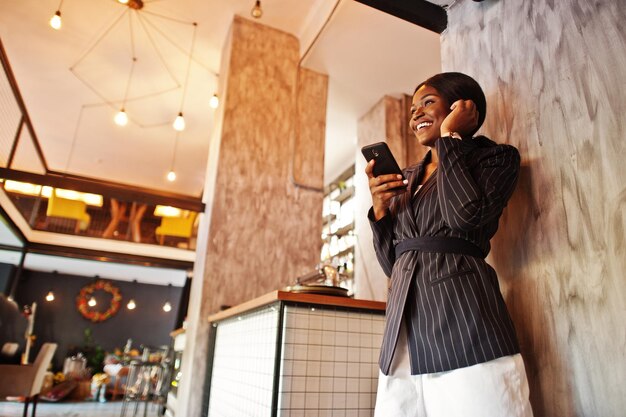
(462, 119)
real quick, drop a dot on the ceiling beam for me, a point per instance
(420, 12)
(122, 192)
(104, 256)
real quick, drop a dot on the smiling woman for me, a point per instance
(448, 329)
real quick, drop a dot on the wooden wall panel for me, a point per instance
(260, 231)
(264, 231)
(554, 75)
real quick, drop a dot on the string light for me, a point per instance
(121, 118)
(256, 11)
(167, 307)
(171, 175)
(55, 21)
(214, 101)
(50, 296)
(179, 122)
(131, 304)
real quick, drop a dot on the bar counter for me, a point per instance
(287, 354)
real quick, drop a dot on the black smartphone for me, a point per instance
(385, 162)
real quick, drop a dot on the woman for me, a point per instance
(449, 347)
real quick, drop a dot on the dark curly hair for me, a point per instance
(455, 86)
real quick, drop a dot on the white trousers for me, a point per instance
(497, 388)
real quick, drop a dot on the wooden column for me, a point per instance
(263, 220)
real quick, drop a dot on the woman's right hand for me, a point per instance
(383, 188)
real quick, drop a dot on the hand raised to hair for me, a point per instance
(462, 119)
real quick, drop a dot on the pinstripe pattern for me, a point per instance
(452, 303)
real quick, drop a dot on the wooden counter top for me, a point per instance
(178, 331)
(298, 298)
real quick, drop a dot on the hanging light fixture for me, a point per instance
(131, 304)
(179, 122)
(214, 101)
(256, 11)
(55, 20)
(92, 301)
(121, 118)
(50, 296)
(171, 175)
(167, 307)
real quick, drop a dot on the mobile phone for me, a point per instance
(385, 162)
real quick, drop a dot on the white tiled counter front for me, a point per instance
(293, 355)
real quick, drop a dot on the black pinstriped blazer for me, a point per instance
(452, 303)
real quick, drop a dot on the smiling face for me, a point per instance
(428, 111)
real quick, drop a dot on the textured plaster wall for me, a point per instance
(554, 75)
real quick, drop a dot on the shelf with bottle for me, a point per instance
(338, 238)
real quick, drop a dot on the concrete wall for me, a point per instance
(554, 75)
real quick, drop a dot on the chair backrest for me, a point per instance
(43, 359)
(64, 207)
(177, 226)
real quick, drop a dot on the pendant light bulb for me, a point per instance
(171, 176)
(92, 302)
(214, 101)
(121, 118)
(256, 11)
(50, 296)
(55, 22)
(179, 122)
(167, 307)
(131, 304)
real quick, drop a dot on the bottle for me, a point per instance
(127, 348)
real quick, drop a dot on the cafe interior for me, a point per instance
(183, 202)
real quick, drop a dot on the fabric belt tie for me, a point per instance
(439, 244)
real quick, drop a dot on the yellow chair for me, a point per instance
(68, 209)
(176, 226)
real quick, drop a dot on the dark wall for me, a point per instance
(60, 322)
(6, 274)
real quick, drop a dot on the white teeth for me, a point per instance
(423, 125)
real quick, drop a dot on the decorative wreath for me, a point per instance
(86, 293)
